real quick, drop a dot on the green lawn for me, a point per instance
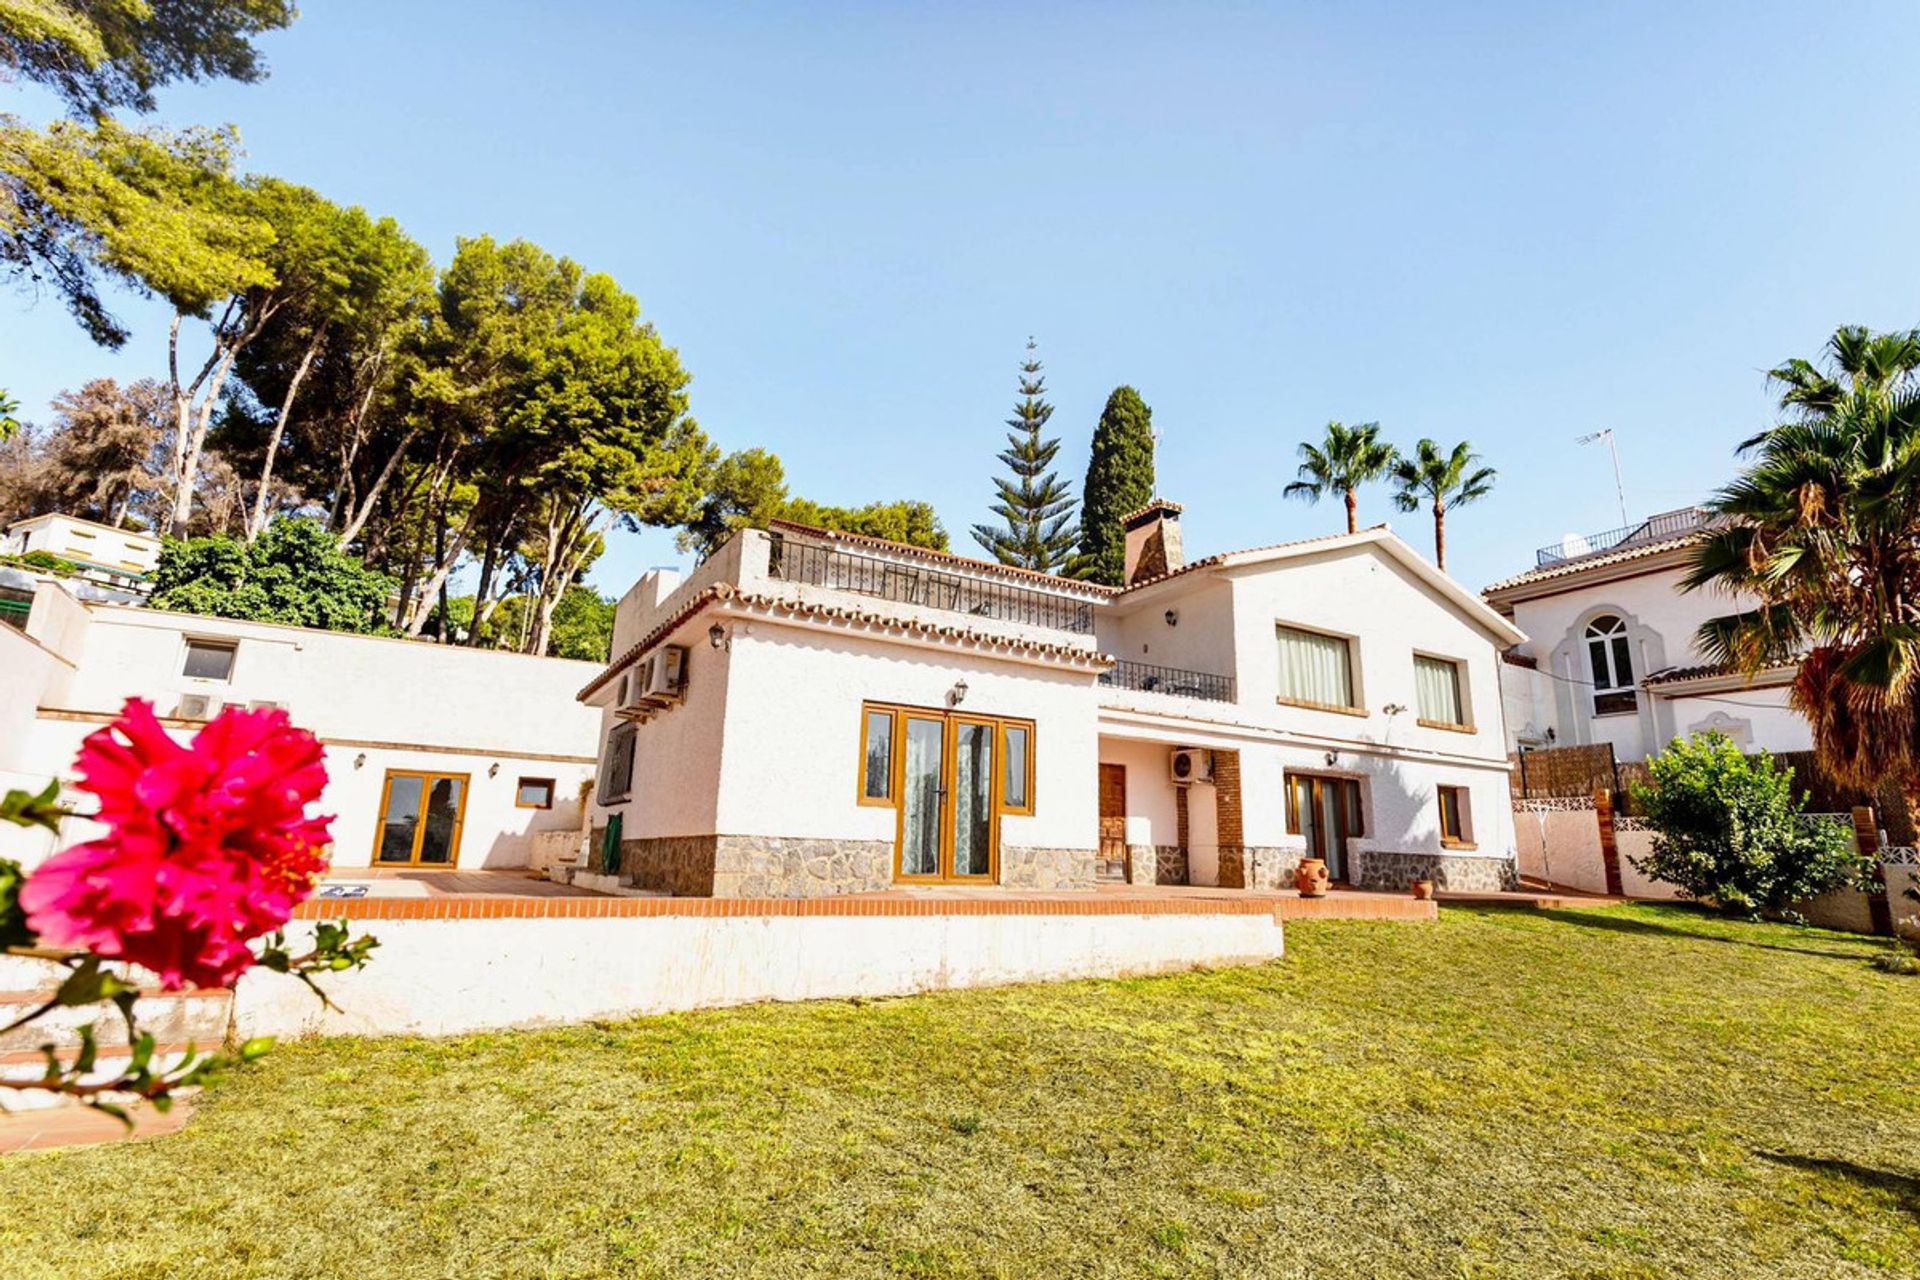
(1637, 1092)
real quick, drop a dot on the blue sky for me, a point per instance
(1513, 224)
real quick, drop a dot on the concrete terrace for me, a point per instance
(403, 894)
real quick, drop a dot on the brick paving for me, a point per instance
(45, 1128)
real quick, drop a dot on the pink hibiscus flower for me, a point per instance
(209, 845)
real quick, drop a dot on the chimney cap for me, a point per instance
(1159, 506)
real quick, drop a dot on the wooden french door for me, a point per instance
(949, 784)
(1113, 822)
(420, 819)
(1327, 812)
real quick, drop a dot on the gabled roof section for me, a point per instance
(955, 563)
(1586, 564)
(1379, 536)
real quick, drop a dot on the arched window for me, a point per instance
(1611, 658)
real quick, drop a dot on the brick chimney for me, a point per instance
(1153, 540)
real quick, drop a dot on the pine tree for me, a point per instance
(1036, 506)
(1119, 480)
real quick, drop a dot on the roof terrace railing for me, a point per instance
(1148, 678)
(902, 583)
(1668, 524)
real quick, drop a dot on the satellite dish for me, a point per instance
(1572, 545)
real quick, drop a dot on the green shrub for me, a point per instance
(1728, 830)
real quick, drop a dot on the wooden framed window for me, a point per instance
(1016, 766)
(533, 793)
(876, 755)
(209, 660)
(1439, 696)
(1316, 670)
(883, 728)
(616, 765)
(1455, 832)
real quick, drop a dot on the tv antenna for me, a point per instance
(1620, 490)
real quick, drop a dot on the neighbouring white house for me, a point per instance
(815, 713)
(115, 557)
(1612, 656)
(437, 756)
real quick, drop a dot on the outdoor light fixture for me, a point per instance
(360, 761)
(717, 636)
(957, 694)
(1333, 758)
(493, 770)
(1394, 708)
(1173, 617)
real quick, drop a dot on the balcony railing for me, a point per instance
(978, 597)
(1668, 524)
(1148, 678)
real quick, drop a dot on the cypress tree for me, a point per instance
(1119, 480)
(1035, 504)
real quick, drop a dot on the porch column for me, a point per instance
(1234, 871)
(1143, 860)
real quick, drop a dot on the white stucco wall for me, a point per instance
(791, 761)
(1662, 622)
(439, 977)
(375, 703)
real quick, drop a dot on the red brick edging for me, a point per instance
(484, 907)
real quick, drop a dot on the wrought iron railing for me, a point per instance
(980, 597)
(1148, 678)
(1668, 524)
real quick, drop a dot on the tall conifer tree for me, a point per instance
(1119, 480)
(1035, 504)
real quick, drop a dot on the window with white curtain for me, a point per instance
(1436, 687)
(1315, 668)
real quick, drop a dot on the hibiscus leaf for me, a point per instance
(13, 921)
(89, 1051)
(25, 809)
(113, 1109)
(89, 983)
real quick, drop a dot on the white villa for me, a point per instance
(1612, 656)
(812, 713)
(115, 557)
(437, 756)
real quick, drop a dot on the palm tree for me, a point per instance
(1348, 458)
(1443, 480)
(1822, 534)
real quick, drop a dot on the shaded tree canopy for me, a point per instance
(1119, 481)
(100, 55)
(294, 573)
(748, 489)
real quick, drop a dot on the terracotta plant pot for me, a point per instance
(1311, 879)
(1423, 889)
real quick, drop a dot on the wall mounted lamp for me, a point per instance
(717, 636)
(1173, 617)
(957, 694)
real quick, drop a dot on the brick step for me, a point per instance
(199, 1015)
(22, 1065)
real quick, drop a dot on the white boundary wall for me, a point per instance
(440, 977)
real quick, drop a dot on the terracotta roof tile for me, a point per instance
(1565, 569)
(722, 591)
(1223, 557)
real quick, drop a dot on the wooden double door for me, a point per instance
(1326, 810)
(949, 823)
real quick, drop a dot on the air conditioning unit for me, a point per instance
(634, 684)
(668, 677)
(1187, 765)
(197, 706)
